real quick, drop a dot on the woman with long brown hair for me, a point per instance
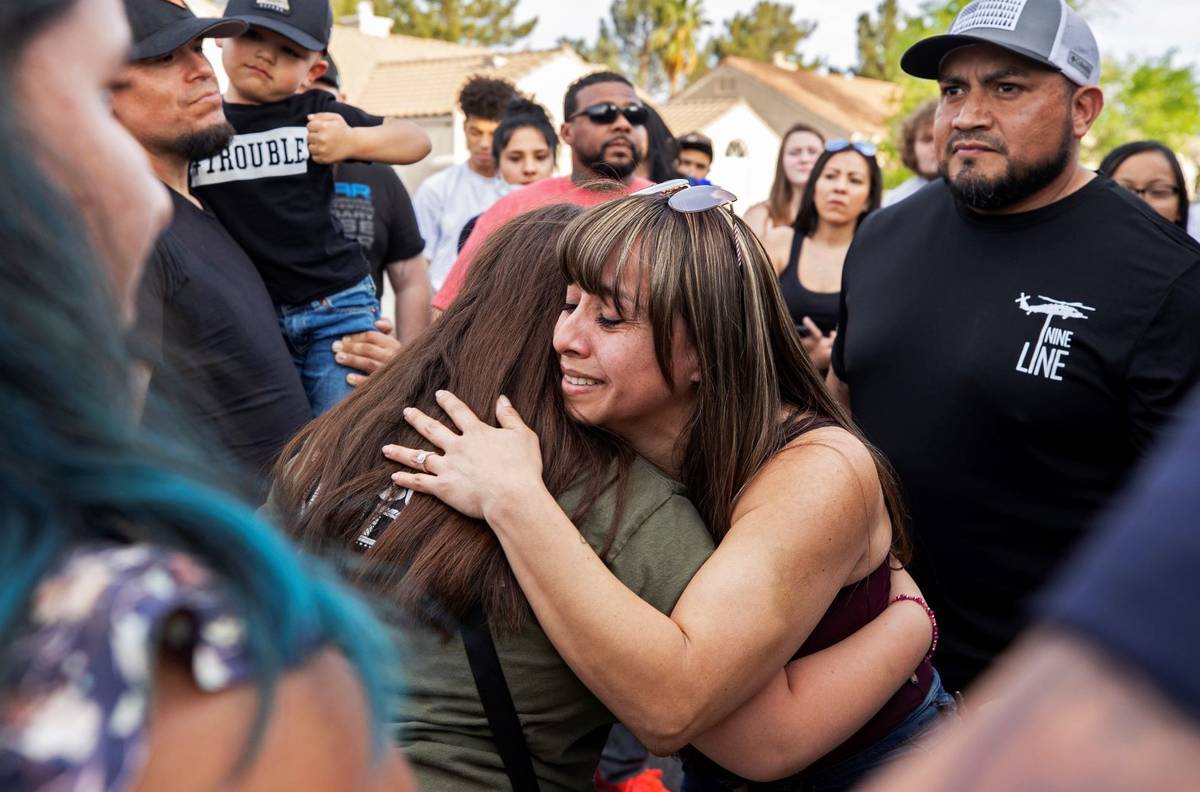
(674, 337)
(798, 152)
(334, 490)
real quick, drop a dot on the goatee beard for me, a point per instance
(203, 143)
(1018, 182)
(613, 170)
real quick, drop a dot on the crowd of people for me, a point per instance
(882, 486)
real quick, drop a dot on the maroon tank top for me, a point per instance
(854, 607)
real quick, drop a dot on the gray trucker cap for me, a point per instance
(1047, 31)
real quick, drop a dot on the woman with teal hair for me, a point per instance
(141, 606)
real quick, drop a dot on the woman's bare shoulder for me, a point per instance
(831, 455)
(316, 735)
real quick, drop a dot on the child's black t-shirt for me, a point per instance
(277, 203)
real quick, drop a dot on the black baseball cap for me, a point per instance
(697, 142)
(162, 26)
(308, 23)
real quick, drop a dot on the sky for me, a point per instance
(1122, 27)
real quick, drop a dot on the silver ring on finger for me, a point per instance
(420, 459)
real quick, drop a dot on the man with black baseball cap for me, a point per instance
(695, 157)
(206, 327)
(1013, 335)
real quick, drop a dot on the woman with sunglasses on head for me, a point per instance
(846, 185)
(1151, 171)
(153, 633)
(674, 338)
(437, 565)
(798, 152)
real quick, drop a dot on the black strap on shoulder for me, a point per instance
(497, 701)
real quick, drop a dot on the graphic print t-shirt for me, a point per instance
(276, 202)
(374, 209)
(1012, 369)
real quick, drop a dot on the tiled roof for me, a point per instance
(683, 116)
(360, 56)
(857, 103)
(430, 87)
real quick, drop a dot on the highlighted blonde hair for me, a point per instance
(709, 269)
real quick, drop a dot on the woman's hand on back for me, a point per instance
(476, 470)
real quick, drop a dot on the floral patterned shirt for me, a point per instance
(75, 700)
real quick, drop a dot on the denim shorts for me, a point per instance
(846, 773)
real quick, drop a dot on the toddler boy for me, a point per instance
(273, 187)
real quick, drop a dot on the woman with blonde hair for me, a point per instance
(798, 152)
(674, 337)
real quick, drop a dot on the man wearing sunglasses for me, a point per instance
(605, 128)
(1013, 335)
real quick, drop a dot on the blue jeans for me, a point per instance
(623, 757)
(848, 772)
(310, 330)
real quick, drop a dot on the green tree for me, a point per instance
(653, 42)
(878, 39)
(1152, 99)
(675, 38)
(762, 32)
(605, 51)
(483, 22)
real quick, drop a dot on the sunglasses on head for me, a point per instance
(607, 112)
(699, 198)
(866, 149)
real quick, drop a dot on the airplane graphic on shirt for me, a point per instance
(1049, 353)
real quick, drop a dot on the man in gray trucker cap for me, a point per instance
(1014, 334)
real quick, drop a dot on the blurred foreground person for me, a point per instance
(1104, 695)
(206, 326)
(140, 605)
(1150, 171)
(917, 152)
(1014, 335)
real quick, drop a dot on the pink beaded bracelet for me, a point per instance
(932, 620)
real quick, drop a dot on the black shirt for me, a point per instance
(1134, 590)
(1012, 369)
(207, 327)
(374, 208)
(276, 202)
(821, 307)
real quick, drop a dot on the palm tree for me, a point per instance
(679, 23)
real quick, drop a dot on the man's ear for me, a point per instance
(566, 133)
(1086, 105)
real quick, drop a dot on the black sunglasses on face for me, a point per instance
(607, 112)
